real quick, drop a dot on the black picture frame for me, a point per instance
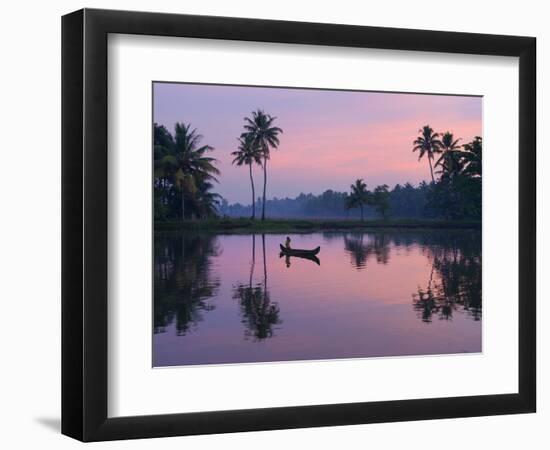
(84, 224)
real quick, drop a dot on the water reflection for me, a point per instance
(183, 280)
(259, 313)
(455, 276)
(455, 279)
(215, 299)
(288, 258)
(361, 246)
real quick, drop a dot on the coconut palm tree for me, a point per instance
(205, 203)
(248, 153)
(188, 164)
(427, 144)
(163, 145)
(260, 126)
(451, 157)
(472, 157)
(381, 199)
(358, 197)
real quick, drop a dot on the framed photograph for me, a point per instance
(273, 224)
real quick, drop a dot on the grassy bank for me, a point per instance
(231, 225)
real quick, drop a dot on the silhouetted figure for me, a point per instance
(287, 243)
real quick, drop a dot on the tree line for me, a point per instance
(454, 192)
(185, 176)
(403, 201)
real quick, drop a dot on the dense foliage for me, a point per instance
(404, 201)
(184, 178)
(183, 174)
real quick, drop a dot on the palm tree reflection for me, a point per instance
(361, 246)
(185, 283)
(259, 313)
(455, 279)
(454, 282)
(183, 280)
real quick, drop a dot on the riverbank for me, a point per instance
(234, 225)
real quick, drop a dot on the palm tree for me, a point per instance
(381, 199)
(205, 202)
(451, 158)
(358, 197)
(188, 164)
(260, 126)
(429, 144)
(249, 152)
(163, 145)
(472, 157)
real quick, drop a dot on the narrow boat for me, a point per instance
(298, 251)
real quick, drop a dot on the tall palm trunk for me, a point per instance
(265, 265)
(265, 184)
(182, 205)
(183, 249)
(431, 169)
(431, 277)
(253, 195)
(253, 263)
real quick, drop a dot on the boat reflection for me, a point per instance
(308, 257)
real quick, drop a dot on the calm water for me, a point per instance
(233, 299)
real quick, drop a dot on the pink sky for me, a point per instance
(330, 138)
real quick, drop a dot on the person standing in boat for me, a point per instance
(287, 243)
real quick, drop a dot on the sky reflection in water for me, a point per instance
(218, 300)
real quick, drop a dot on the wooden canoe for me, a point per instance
(299, 252)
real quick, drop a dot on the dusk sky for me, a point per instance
(330, 138)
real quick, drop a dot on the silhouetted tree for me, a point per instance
(248, 153)
(427, 144)
(472, 157)
(381, 199)
(450, 160)
(358, 197)
(181, 165)
(260, 126)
